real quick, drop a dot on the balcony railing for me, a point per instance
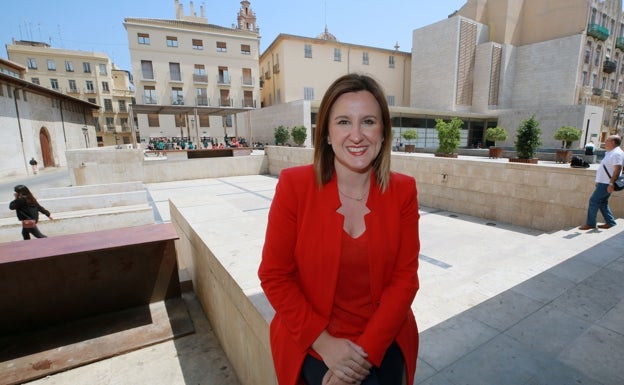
(619, 43)
(249, 103)
(597, 91)
(73, 91)
(150, 99)
(177, 100)
(202, 100)
(88, 91)
(609, 66)
(147, 76)
(597, 31)
(110, 127)
(615, 95)
(223, 80)
(197, 78)
(276, 68)
(225, 102)
(247, 81)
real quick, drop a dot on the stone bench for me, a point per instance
(75, 299)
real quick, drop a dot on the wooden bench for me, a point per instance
(95, 294)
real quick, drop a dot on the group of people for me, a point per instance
(340, 259)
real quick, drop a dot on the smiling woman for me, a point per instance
(340, 259)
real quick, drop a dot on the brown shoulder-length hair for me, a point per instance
(25, 192)
(323, 152)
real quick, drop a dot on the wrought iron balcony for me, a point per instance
(197, 78)
(202, 100)
(619, 43)
(177, 100)
(597, 91)
(597, 31)
(609, 66)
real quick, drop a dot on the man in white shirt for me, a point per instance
(599, 200)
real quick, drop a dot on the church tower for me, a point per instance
(247, 18)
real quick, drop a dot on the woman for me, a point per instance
(27, 209)
(340, 259)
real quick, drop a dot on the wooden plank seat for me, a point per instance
(95, 295)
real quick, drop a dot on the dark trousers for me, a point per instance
(34, 231)
(390, 372)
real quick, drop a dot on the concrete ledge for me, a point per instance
(221, 253)
(92, 189)
(81, 221)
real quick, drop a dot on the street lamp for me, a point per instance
(85, 131)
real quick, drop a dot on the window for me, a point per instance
(224, 75)
(124, 123)
(199, 74)
(152, 120)
(143, 38)
(390, 99)
(90, 89)
(587, 55)
(147, 72)
(110, 122)
(221, 46)
(172, 41)
(202, 97)
(32, 63)
(108, 105)
(174, 72)
(247, 78)
(149, 95)
(308, 93)
(105, 87)
(308, 51)
(365, 58)
(337, 54)
(35, 81)
(177, 96)
(1, 90)
(72, 86)
(86, 67)
(54, 84)
(391, 61)
(51, 65)
(91, 100)
(224, 98)
(248, 99)
(198, 44)
(204, 121)
(245, 49)
(69, 66)
(122, 106)
(102, 68)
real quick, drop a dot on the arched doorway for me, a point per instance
(46, 148)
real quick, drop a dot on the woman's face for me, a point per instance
(355, 131)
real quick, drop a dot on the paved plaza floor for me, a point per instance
(498, 304)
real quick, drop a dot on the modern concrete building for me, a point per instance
(88, 76)
(194, 79)
(39, 123)
(560, 60)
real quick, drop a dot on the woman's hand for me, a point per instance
(346, 361)
(330, 379)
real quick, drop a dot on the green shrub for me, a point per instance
(449, 135)
(281, 135)
(528, 138)
(299, 134)
(567, 135)
(495, 134)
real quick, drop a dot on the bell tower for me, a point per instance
(246, 17)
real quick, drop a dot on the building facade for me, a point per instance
(560, 61)
(39, 123)
(194, 79)
(300, 68)
(88, 76)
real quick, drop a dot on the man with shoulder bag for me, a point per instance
(607, 175)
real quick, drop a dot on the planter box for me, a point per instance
(518, 160)
(445, 155)
(496, 152)
(563, 156)
(410, 148)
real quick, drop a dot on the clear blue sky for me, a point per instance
(98, 26)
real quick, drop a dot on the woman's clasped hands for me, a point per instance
(346, 360)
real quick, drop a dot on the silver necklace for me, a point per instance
(354, 198)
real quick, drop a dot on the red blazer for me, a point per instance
(300, 262)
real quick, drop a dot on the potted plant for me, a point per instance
(281, 135)
(299, 135)
(528, 139)
(410, 134)
(567, 135)
(449, 137)
(494, 134)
